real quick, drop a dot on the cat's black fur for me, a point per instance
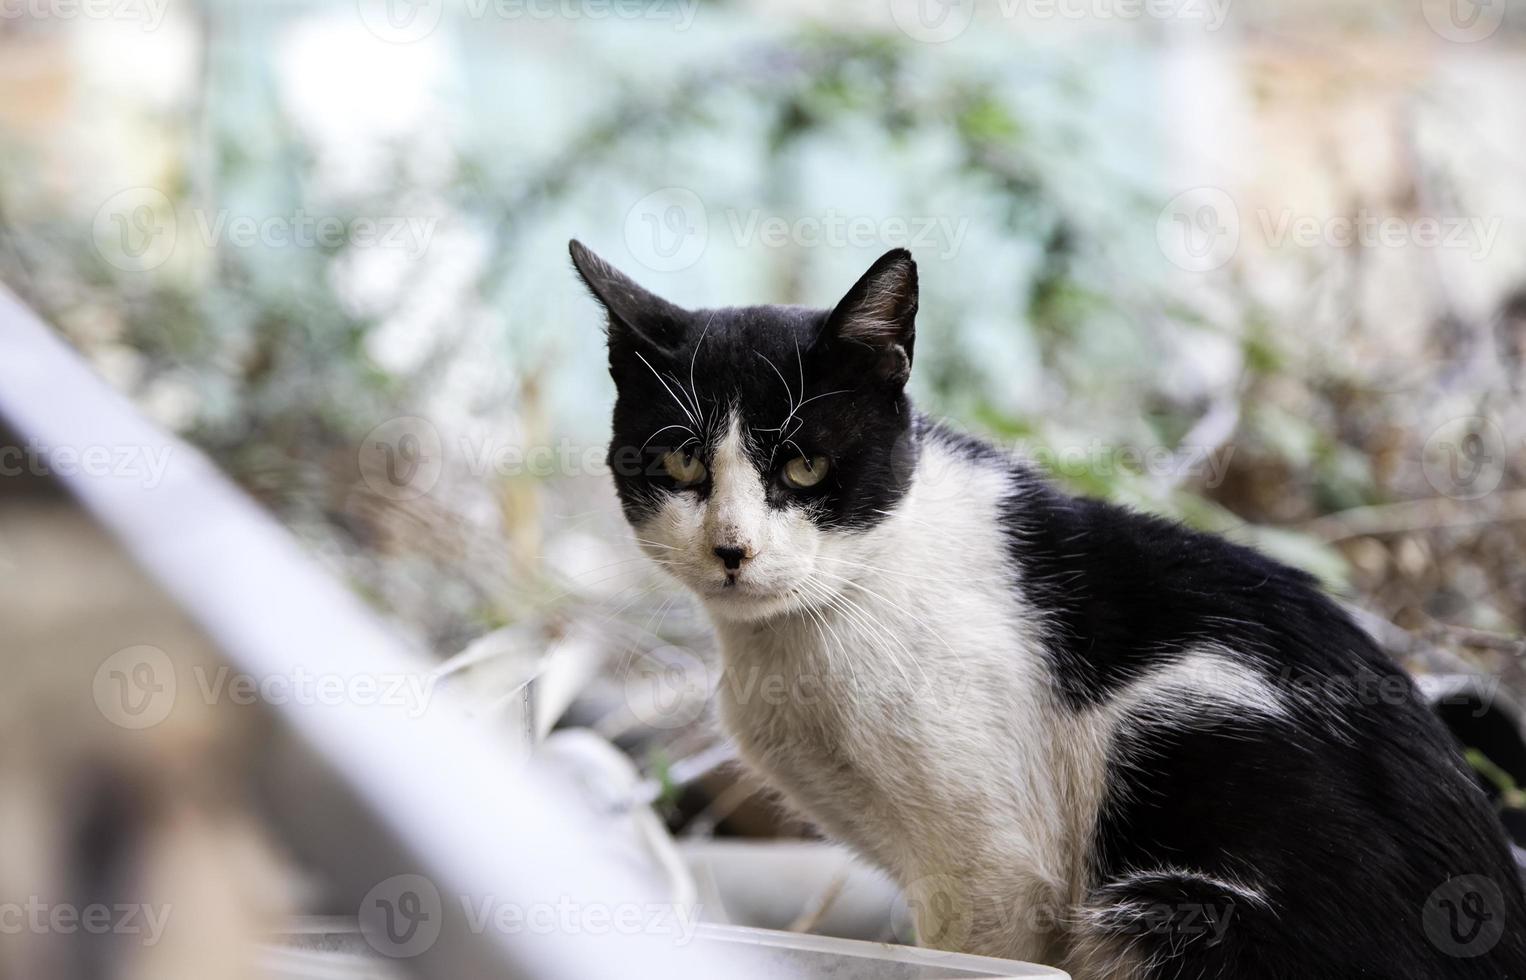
(1356, 815)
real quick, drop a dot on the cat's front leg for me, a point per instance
(1006, 916)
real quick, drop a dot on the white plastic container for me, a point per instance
(326, 950)
(793, 954)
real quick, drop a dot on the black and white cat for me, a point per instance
(1073, 733)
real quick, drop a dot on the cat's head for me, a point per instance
(752, 445)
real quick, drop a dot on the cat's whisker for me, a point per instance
(857, 626)
(676, 400)
(693, 391)
(904, 517)
(789, 394)
(866, 613)
(608, 617)
(599, 568)
(800, 366)
(576, 589)
(815, 590)
(824, 394)
(654, 435)
(863, 624)
(656, 544)
(693, 401)
(829, 637)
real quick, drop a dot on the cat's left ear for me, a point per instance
(879, 314)
(637, 318)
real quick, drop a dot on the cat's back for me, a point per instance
(1326, 827)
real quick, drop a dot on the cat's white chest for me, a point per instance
(840, 731)
(899, 729)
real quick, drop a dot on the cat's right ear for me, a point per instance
(637, 318)
(878, 317)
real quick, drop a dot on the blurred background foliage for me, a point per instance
(1362, 405)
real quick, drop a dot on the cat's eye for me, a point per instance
(684, 467)
(802, 473)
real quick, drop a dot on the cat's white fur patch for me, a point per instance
(1203, 686)
(1249, 894)
(918, 722)
(1098, 953)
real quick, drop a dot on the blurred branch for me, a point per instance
(1401, 644)
(1468, 636)
(1416, 515)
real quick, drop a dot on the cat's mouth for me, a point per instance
(732, 587)
(739, 598)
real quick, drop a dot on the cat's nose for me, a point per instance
(731, 557)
